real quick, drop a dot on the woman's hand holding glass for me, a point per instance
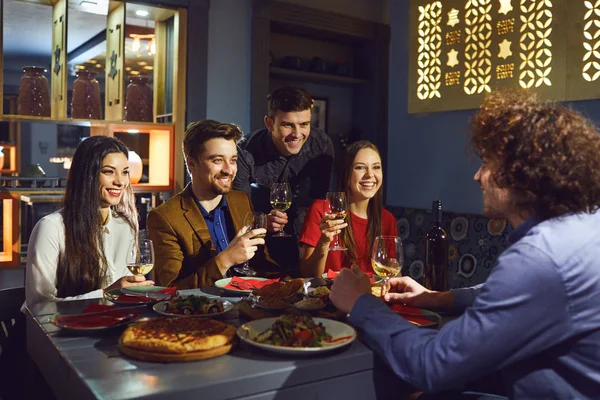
(249, 239)
(140, 257)
(140, 261)
(330, 227)
(336, 209)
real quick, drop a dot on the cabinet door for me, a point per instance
(115, 49)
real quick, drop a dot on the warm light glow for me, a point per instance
(136, 45)
(142, 63)
(141, 13)
(152, 47)
(98, 65)
(134, 72)
(452, 58)
(453, 17)
(149, 67)
(80, 66)
(92, 61)
(127, 68)
(133, 131)
(505, 51)
(505, 7)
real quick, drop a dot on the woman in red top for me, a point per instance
(361, 179)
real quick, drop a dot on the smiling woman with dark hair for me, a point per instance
(361, 180)
(80, 250)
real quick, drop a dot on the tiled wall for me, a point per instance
(475, 243)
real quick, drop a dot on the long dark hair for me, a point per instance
(82, 266)
(374, 209)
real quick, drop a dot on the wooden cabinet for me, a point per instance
(116, 40)
(336, 58)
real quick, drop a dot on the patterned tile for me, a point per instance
(475, 242)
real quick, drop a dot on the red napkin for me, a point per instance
(109, 315)
(132, 298)
(411, 314)
(331, 274)
(238, 283)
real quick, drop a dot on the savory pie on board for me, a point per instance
(177, 339)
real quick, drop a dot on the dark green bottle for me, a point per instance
(436, 252)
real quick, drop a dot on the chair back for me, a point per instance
(11, 301)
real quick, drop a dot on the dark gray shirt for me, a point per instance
(308, 173)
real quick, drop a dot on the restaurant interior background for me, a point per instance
(229, 71)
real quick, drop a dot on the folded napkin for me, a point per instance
(411, 314)
(134, 298)
(98, 316)
(331, 274)
(238, 283)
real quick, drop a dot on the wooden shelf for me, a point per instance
(306, 76)
(8, 117)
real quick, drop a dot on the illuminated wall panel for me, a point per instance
(491, 44)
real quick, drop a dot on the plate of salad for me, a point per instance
(296, 334)
(193, 306)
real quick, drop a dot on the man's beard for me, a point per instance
(220, 189)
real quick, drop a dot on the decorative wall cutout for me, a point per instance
(430, 43)
(591, 44)
(501, 43)
(478, 41)
(506, 26)
(536, 53)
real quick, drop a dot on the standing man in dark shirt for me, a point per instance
(287, 150)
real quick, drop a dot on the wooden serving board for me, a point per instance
(247, 312)
(169, 357)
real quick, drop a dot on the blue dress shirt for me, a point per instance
(219, 223)
(536, 320)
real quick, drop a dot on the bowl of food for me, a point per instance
(310, 304)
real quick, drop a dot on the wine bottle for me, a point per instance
(436, 252)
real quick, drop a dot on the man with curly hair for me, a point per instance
(536, 321)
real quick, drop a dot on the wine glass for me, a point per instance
(335, 204)
(140, 257)
(281, 200)
(253, 220)
(387, 257)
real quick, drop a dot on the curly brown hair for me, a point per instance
(547, 153)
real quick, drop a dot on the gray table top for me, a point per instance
(91, 366)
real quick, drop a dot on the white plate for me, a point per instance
(221, 283)
(248, 331)
(162, 306)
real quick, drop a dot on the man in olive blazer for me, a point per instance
(198, 234)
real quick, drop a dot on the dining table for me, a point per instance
(85, 365)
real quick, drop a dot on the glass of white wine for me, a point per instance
(336, 206)
(281, 200)
(140, 258)
(387, 257)
(253, 220)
